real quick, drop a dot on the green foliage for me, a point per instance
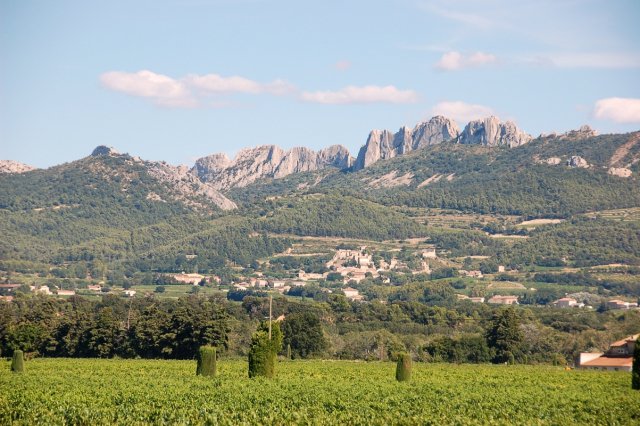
(17, 362)
(504, 336)
(263, 352)
(206, 361)
(403, 368)
(303, 335)
(635, 370)
(335, 215)
(128, 392)
(463, 349)
(585, 241)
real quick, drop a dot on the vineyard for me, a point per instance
(135, 392)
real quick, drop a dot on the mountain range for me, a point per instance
(116, 207)
(217, 172)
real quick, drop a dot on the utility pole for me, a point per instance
(129, 313)
(270, 300)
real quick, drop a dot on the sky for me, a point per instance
(177, 80)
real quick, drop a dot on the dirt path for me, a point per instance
(623, 150)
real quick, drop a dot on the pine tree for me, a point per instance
(635, 371)
(17, 363)
(403, 368)
(206, 361)
(505, 336)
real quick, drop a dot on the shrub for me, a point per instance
(403, 368)
(264, 351)
(206, 361)
(17, 363)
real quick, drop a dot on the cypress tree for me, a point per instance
(263, 352)
(403, 368)
(635, 370)
(206, 361)
(17, 363)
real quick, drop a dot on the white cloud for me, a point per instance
(480, 58)
(162, 89)
(462, 112)
(362, 95)
(213, 90)
(453, 60)
(187, 92)
(236, 84)
(620, 110)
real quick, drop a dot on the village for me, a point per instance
(346, 272)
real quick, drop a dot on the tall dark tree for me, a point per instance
(504, 336)
(635, 371)
(303, 332)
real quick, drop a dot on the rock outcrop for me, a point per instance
(185, 187)
(104, 150)
(619, 171)
(575, 161)
(582, 133)
(267, 161)
(491, 131)
(382, 144)
(10, 166)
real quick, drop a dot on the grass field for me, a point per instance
(134, 392)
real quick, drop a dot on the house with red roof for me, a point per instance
(619, 356)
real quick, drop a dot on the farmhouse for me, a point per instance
(618, 357)
(352, 294)
(471, 274)
(190, 278)
(503, 300)
(7, 289)
(429, 253)
(241, 286)
(568, 302)
(43, 289)
(305, 276)
(620, 304)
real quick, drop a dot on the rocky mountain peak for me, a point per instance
(438, 129)
(266, 161)
(10, 166)
(104, 150)
(382, 144)
(490, 131)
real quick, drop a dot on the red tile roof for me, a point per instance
(627, 339)
(604, 361)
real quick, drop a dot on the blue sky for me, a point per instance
(177, 80)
